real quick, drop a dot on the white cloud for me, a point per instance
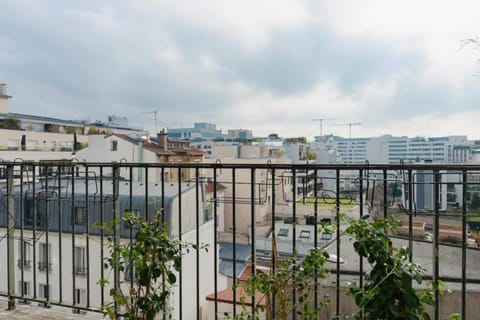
(249, 22)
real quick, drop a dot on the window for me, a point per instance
(24, 253)
(305, 234)
(80, 296)
(80, 261)
(44, 255)
(24, 288)
(28, 212)
(44, 291)
(326, 236)
(114, 145)
(80, 216)
(283, 232)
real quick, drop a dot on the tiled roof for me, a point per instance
(246, 273)
(209, 187)
(226, 296)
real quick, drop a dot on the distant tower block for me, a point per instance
(3, 98)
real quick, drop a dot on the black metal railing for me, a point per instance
(56, 208)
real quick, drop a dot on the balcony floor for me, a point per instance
(33, 311)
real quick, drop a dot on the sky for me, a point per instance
(396, 67)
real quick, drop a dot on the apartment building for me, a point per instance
(58, 244)
(390, 149)
(140, 149)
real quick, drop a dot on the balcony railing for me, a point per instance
(43, 266)
(81, 270)
(25, 264)
(233, 208)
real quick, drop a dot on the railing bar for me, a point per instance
(72, 222)
(10, 241)
(147, 212)
(385, 194)
(162, 181)
(464, 240)
(294, 240)
(215, 240)
(34, 228)
(102, 231)
(116, 229)
(180, 280)
(22, 245)
(87, 230)
(315, 237)
(360, 280)
(60, 227)
(272, 263)
(234, 244)
(410, 218)
(435, 243)
(130, 227)
(197, 240)
(253, 233)
(337, 209)
(47, 240)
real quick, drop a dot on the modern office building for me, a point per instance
(390, 149)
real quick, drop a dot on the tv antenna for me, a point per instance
(154, 112)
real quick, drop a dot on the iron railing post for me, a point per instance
(116, 228)
(10, 242)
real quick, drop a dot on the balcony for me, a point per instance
(234, 208)
(81, 270)
(44, 266)
(24, 264)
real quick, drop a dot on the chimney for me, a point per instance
(3, 98)
(162, 138)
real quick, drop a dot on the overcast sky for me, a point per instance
(396, 67)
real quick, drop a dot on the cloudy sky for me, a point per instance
(396, 67)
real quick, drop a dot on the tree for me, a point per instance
(10, 123)
(153, 258)
(388, 292)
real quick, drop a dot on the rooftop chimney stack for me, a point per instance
(162, 137)
(3, 98)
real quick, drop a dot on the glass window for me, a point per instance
(44, 255)
(305, 234)
(80, 260)
(79, 215)
(44, 291)
(283, 232)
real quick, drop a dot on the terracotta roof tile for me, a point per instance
(209, 187)
(226, 296)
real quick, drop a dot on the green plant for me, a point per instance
(153, 258)
(388, 292)
(288, 287)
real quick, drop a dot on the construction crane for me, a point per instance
(154, 112)
(320, 120)
(350, 127)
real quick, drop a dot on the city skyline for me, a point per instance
(397, 69)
